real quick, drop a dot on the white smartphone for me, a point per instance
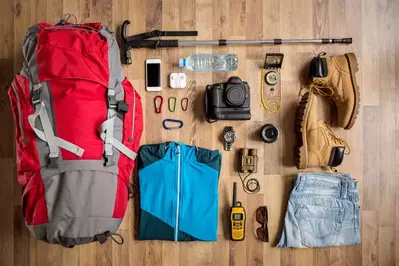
(153, 74)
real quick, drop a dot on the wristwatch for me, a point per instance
(229, 137)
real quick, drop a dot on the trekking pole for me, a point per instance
(261, 42)
(140, 41)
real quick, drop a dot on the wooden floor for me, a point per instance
(374, 161)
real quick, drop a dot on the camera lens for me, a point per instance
(235, 96)
(269, 133)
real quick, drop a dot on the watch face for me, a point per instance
(229, 136)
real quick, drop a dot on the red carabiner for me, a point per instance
(158, 107)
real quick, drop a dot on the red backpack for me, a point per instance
(78, 127)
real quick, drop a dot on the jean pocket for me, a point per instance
(319, 226)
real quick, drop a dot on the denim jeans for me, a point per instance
(323, 210)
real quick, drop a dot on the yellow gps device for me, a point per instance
(237, 218)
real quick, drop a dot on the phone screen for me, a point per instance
(153, 75)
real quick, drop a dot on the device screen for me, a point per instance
(153, 75)
(237, 216)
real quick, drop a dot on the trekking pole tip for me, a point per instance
(347, 40)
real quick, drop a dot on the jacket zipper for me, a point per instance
(133, 114)
(178, 193)
(24, 140)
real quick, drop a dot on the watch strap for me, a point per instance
(227, 146)
(228, 128)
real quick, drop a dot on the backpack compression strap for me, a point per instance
(108, 126)
(47, 134)
(107, 130)
(114, 103)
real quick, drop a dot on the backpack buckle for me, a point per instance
(108, 160)
(122, 107)
(112, 103)
(53, 162)
(36, 98)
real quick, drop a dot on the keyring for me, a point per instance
(158, 107)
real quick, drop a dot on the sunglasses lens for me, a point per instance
(260, 215)
(262, 235)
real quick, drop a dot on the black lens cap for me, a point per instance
(269, 133)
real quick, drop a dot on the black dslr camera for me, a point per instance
(228, 101)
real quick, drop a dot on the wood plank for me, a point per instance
(104, 253)
(120, 253)
(88, 254)
(6, 76)
(320, 255)
(275, 197)
(369, 227)
(387, 161)
(375, 149)
(48, 254)
(386, 245)
(371, 35)
(7, 222)
(371, 170)
(70, 256)
(397, 228)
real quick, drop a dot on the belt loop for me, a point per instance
(344, 189)
(299, 182)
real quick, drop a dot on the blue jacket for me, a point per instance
(178, 192)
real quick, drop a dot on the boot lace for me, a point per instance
(323, 88)
(337, 140)
(340, 141)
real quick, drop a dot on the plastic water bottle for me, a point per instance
(210, 62)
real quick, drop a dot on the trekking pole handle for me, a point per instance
(123, 30)
(167, 43)
(343, 40)
(127, 56)
(153, 43)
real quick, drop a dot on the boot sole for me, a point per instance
(353, 68)
(301, 117)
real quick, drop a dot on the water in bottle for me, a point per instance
(210, 62)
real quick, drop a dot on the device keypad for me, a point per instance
(237, 225)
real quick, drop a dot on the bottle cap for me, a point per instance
(182, 62)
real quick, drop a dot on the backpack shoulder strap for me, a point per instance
(115, 102)
(47, 134)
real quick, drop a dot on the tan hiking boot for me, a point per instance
(334, 76)
(316, 143)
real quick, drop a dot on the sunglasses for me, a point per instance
(262, 218)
